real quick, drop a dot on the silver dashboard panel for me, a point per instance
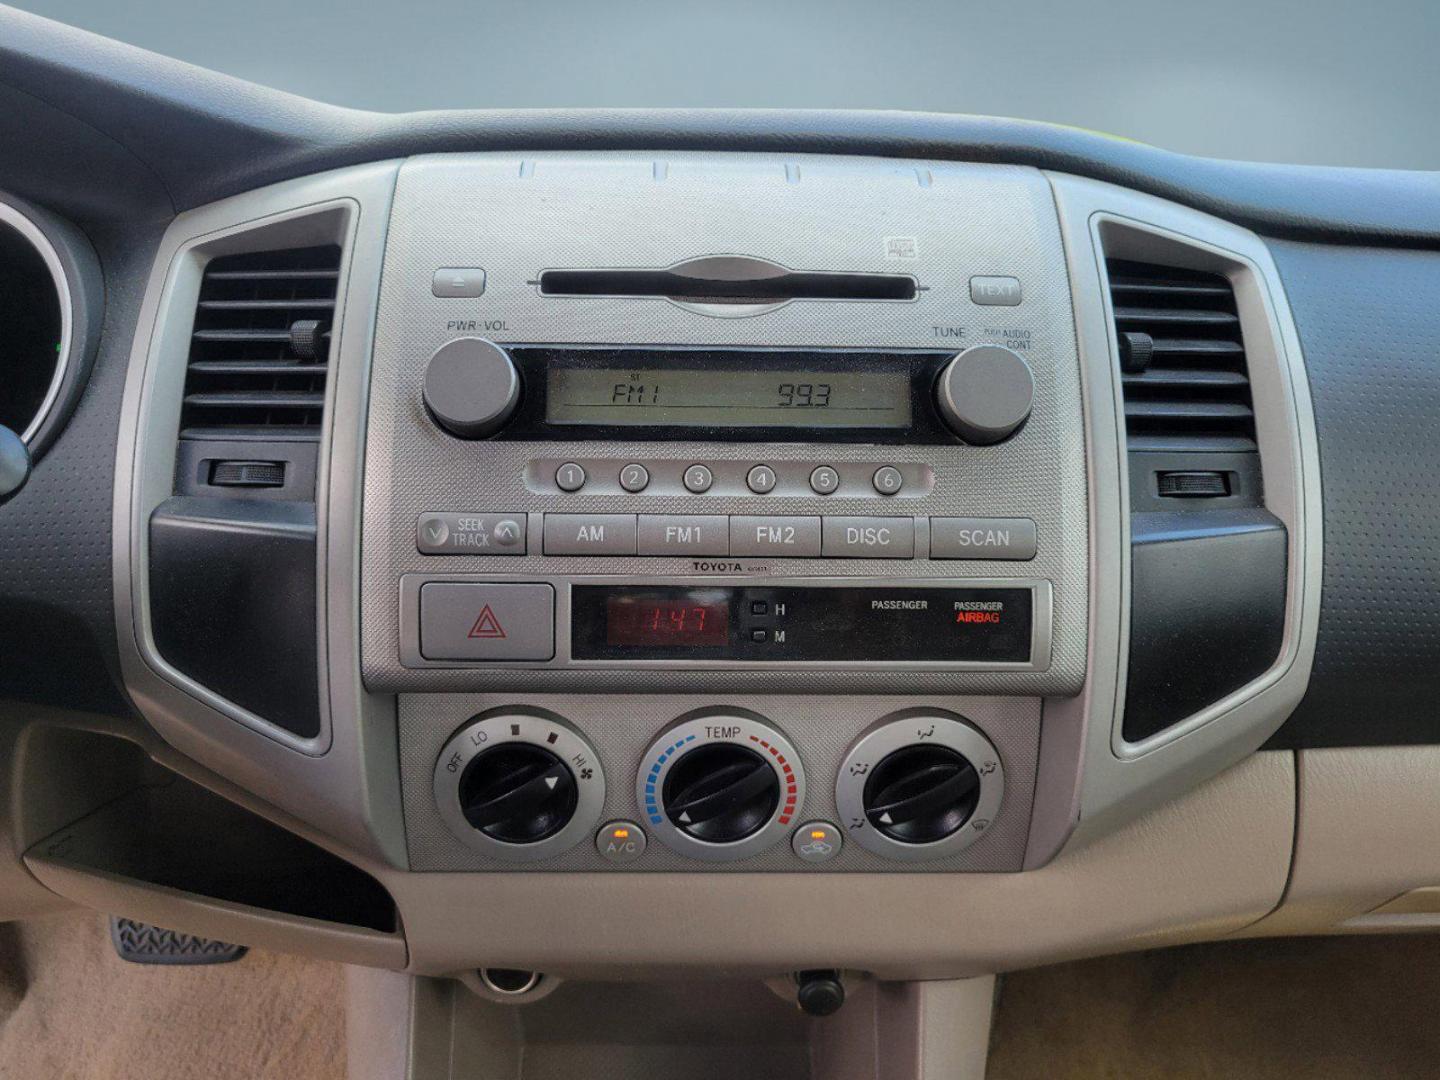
(516, 216)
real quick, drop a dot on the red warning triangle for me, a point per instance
(487, 626)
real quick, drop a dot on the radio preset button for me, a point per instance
(797, 537)
(470, 534)
(982, 538)
(474, 621)
(888, 480)
(761, 479)
(570, 477)
(868, 538)
(683, 534)
(824, 480)
(634, 477)
(589, 534)
(698, 479)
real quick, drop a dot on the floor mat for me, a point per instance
(1331, 1008)
(71, 1009)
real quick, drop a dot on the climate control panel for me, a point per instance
(728, 784)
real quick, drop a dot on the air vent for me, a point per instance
(1182, 359)
(261, 345)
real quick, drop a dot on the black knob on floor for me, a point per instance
(518, 793)
(819, 993)
(721, 793)
(920, 794)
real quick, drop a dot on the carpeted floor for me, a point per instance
(1316, 1008)
(71, 1009)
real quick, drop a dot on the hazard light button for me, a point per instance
(473, 621)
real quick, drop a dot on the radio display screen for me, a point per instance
(693, 397)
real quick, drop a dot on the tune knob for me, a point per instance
(985, 394)
(720, 785)
(920, 784)
(471, 387)
(519, 786)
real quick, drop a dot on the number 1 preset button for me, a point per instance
(774, 534)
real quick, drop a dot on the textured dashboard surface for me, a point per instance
(518, 216)
(1369, 324)
(57, 636)
(623, 726)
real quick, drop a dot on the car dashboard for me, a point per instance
(637, 546)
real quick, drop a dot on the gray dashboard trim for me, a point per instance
(314, 779)
(1123, 779)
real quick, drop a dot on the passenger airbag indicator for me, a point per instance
(809, 623)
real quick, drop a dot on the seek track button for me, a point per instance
(470, 534)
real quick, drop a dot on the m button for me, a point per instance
(472, 621)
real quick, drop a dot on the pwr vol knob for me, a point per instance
(720, 785)
(471, 387)
(519, 785)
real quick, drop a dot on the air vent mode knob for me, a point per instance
(519, 786)
(471, 387)
(919, 784)
(921, 794)
(985, 394)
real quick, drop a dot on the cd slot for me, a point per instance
(728, 281)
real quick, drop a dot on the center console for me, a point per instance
(723, 529)
(809, 532)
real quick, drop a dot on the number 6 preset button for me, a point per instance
(771, 534)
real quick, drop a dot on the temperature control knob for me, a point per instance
(920, 784)
(721, 793)
(985, 394)
(720, 785)
(519, 785)
(471, 387)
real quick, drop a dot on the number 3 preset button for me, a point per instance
(769, 534)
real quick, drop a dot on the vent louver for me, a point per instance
(1182, 359)
(260, 348)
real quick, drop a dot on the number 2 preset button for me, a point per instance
(589, 534)
(773, 534)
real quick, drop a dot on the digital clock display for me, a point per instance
(674, 618)
(692, 397)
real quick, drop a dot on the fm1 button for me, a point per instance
(816, 841)
(620, 842)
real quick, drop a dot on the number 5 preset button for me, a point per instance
(772, 534)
